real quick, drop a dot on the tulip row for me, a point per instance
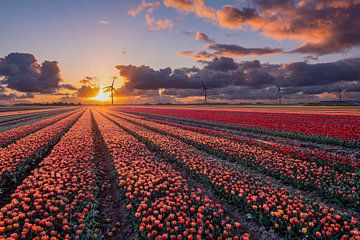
(13, 119)
(336, 161)
(304, 174)
(10, 112)
(10, 136)
(163, 204)
(291, 215)
(17, 158)
(57, 201)
(335, 130)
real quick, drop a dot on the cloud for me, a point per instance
(87, 91)
(232, 50)
(203, 55)
(231, 17)
(251, 80)
(12, 96)
(197, 7)
(88, 88)
(304, 74)
(88, 81)
(322, 27)
(68, 87)
(104, 22)
(23, 73)
(202, 37)
(144, 6)
(152, 23)
(217, 50)
(160, 24)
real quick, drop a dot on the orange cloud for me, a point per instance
(151, 22)
(322, 27)
(160, 24)
(195, 6)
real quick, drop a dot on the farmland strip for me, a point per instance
(12, 135)
(17, 159)
(57, 200)
(34, 119)
(329, 183)
(20, 118)
(163, 204)
(342, 136)
(16, 110)
(338, 162)
(292, 216)
(113, 217)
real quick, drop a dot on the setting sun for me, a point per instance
(102, 96)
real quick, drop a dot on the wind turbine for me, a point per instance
(112, 90)
(340, 92)
(278, 93)
(204, 92)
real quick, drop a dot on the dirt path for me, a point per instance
(113, 216)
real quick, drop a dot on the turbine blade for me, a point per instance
(116, 91)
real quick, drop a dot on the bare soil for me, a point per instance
(113, 217)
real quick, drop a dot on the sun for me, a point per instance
(102, 96)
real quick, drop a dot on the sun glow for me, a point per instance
(102, 96)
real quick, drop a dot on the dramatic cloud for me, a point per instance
(250, 80)
(217, 50)
(23, 73)
(321, 27)
(304, 74)
(233, 18)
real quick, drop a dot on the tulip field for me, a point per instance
(126, 172)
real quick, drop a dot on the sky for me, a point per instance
(166, 51)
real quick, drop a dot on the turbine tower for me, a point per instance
(204, 92)
(112, 90)
(340, 92)
(278, 93)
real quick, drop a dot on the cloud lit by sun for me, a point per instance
(102, 96)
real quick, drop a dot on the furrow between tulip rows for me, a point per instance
(10, 136)
(17, 159)
(292, 216)
(329, 183)
(337, 162)
(57, 200)
(162, 203)
(113, 218)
